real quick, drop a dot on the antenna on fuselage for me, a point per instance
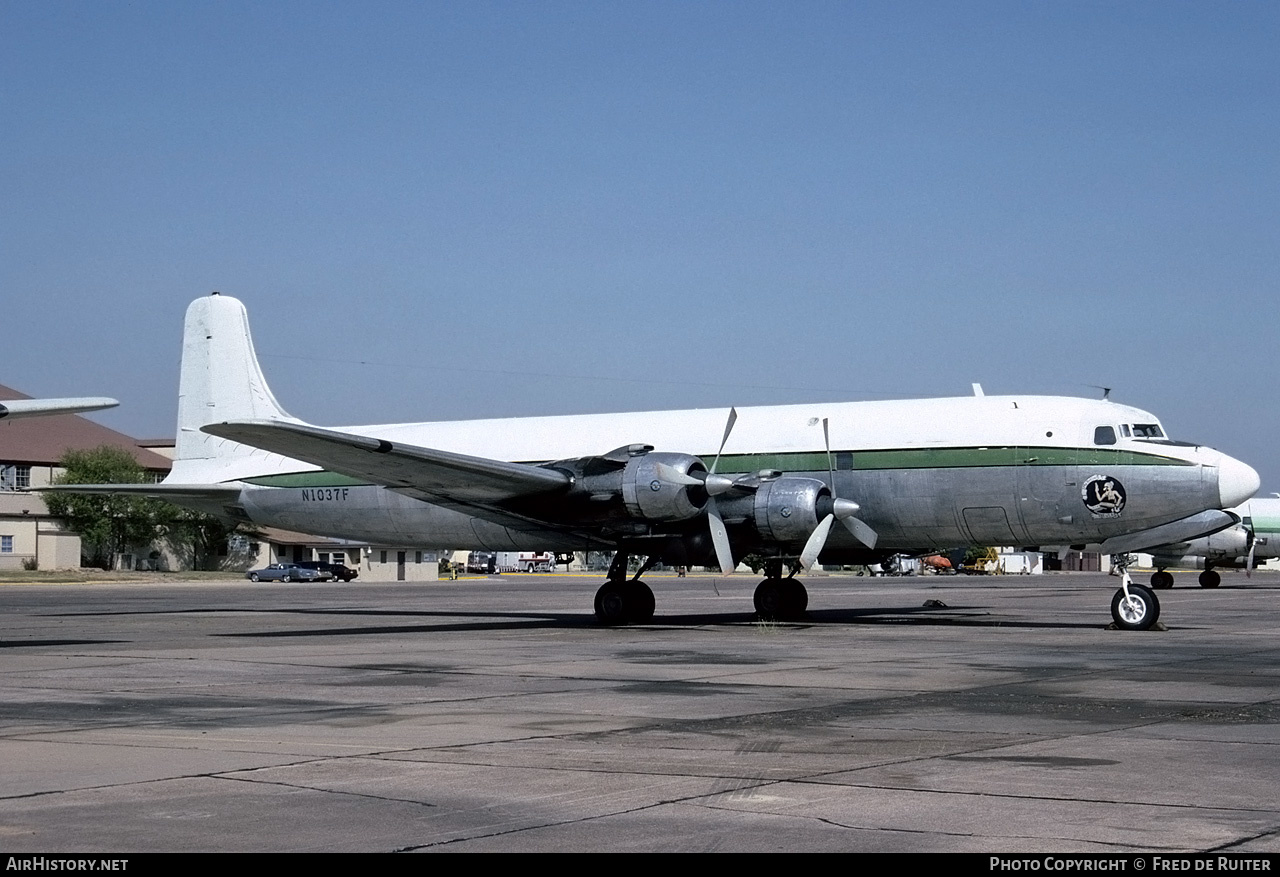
(1106, 391)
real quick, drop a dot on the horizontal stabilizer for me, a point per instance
(441, 474)
(11, 409)
(170, 492)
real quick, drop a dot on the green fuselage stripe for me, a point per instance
(857, 461)
(944, 458)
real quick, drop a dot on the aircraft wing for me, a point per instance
(441, 475)
(14, 408)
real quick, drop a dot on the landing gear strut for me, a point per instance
(623, 601)
(778, 598)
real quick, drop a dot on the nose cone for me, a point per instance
(1237, 482)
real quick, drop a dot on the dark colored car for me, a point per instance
(285, 572)
(331, 570)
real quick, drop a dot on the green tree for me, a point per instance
(108, 525)
(203, 541)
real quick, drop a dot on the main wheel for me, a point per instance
(611, 603)
(1161, 579)
(1210, 579)
(797, 598)
(780, 599)
(770, 599)
(1139, 612)
(640, 602)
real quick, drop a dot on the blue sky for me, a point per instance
(439, 211)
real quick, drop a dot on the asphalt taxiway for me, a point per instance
(494, 714)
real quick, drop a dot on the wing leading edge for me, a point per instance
(442, 475)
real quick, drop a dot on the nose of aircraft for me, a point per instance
(1237, 482)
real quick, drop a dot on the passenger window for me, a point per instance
(1104, 435)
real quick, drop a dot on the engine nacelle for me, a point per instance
(784, 510)
(634, 483)
(651, 497)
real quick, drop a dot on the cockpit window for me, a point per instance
(1148, 430)
(1124, 430)
(1104, 435)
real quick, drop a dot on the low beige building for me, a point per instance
(30, 451)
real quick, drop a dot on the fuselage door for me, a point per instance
(989, 525)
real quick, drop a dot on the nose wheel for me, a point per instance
(1137, 610)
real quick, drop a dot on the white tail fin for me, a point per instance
(221, 380)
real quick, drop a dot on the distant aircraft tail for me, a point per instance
(220, 381)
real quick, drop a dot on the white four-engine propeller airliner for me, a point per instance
(700, 486)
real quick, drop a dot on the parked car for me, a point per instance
(331, 570)
(285, 572)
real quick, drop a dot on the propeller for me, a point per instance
(1253, 543)
(714, 485)
(842, 510)
(717, 484)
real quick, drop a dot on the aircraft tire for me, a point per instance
(780, 599)
(1210, 579)
(1162, 580)
(611, 604)
(640, 602)
(797, 598)
(1139, 613)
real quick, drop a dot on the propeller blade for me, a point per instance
(672, 475)
(1248, 564)
(720, 538)
(817, 540)
(728, 428)
(860, 531)
(831, 469)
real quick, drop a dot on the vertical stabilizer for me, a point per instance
(220, 380)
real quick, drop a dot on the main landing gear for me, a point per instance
(1210, 578)
(778, 598)
(623, 601)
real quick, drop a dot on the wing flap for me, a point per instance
(425, 471)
